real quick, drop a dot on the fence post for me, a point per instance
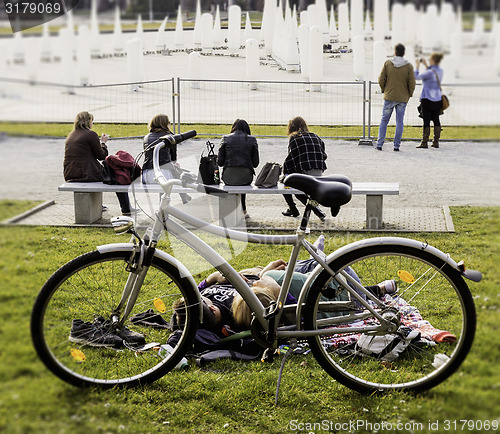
(178, 95)
(174, 117)
(365, 140)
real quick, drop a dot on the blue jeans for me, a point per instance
(389, 106)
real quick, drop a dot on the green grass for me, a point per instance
(232, 396)
(130, 130)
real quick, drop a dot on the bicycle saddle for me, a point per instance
(332, 191)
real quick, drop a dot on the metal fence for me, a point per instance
(348, 109)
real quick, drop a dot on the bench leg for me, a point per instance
(374, 211)
(88, 207)
(230, 212)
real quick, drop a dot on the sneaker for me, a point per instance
(290, 213)
(150, 319)
(123, 332)
(377, 148)
(388, 287)
(246, 215)
(89, 334)
(104, 208)
(396, 149)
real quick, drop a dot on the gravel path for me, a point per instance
(456, 174)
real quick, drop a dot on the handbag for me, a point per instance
(108, 174)
(268, 176)
(445, 102)
(208, 172)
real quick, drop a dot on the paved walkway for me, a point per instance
(430, 180)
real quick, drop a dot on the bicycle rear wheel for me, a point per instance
(83, 294)
(432, 299)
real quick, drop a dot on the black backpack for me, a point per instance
(208, 347)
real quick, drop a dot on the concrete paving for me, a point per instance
(430, 181)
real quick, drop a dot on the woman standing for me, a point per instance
(430, 98)
(158, 127)
(83, 151)
(238, 156)
(306, 154)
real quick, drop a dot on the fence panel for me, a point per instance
(471, 104)
(269, 102)
(23, 101)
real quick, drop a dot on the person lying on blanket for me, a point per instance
(223, 306)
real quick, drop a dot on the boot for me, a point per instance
(437, 135)
(425, 138)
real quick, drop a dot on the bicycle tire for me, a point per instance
(90, 286)
(438, 292)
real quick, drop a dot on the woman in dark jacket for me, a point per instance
(306, 154)
(83, 151)
(158, 127)
(238, 156)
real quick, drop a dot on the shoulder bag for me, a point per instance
(268, 176)
(208, 172)
(445, 102)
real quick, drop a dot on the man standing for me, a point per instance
(397, 82)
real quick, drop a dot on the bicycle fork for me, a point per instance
(138, 266)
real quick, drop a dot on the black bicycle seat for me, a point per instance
(331, 191)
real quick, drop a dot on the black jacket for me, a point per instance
(167, 154)
(239, 149)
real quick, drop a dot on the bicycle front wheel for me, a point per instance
(432, 301)
(75, 337)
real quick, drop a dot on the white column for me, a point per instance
(194, 69)
(234, 29)
(117, 33)
(358, 59)
(84, 55)
(207, 33)
(356, 18)
(496, 55)
(343, 23)
(95, 37)
(135, 62)
(68, 70)
(179, 31)
(398, 24)
(161, 40)
(381, 19)
(218, 39)
(410, 24)
(334, 33)
(248, 34)
(304, 51)
(45, 44)
(379, 58)
(252, 62)
(315, 57)
(456, 49)
(197, 33)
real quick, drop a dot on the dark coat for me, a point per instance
(81, 156)
(167, 154)
(239, 149)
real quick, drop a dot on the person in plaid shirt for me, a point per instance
(306, 154)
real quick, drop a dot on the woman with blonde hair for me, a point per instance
(430, 98)
(82, 155)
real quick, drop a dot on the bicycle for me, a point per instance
(116, 281)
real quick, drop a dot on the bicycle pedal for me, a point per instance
(272, 310)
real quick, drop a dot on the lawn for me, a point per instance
(237, 396)
(133, 130)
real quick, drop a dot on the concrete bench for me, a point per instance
(88, 198)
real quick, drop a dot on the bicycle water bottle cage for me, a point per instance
(331, 191)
